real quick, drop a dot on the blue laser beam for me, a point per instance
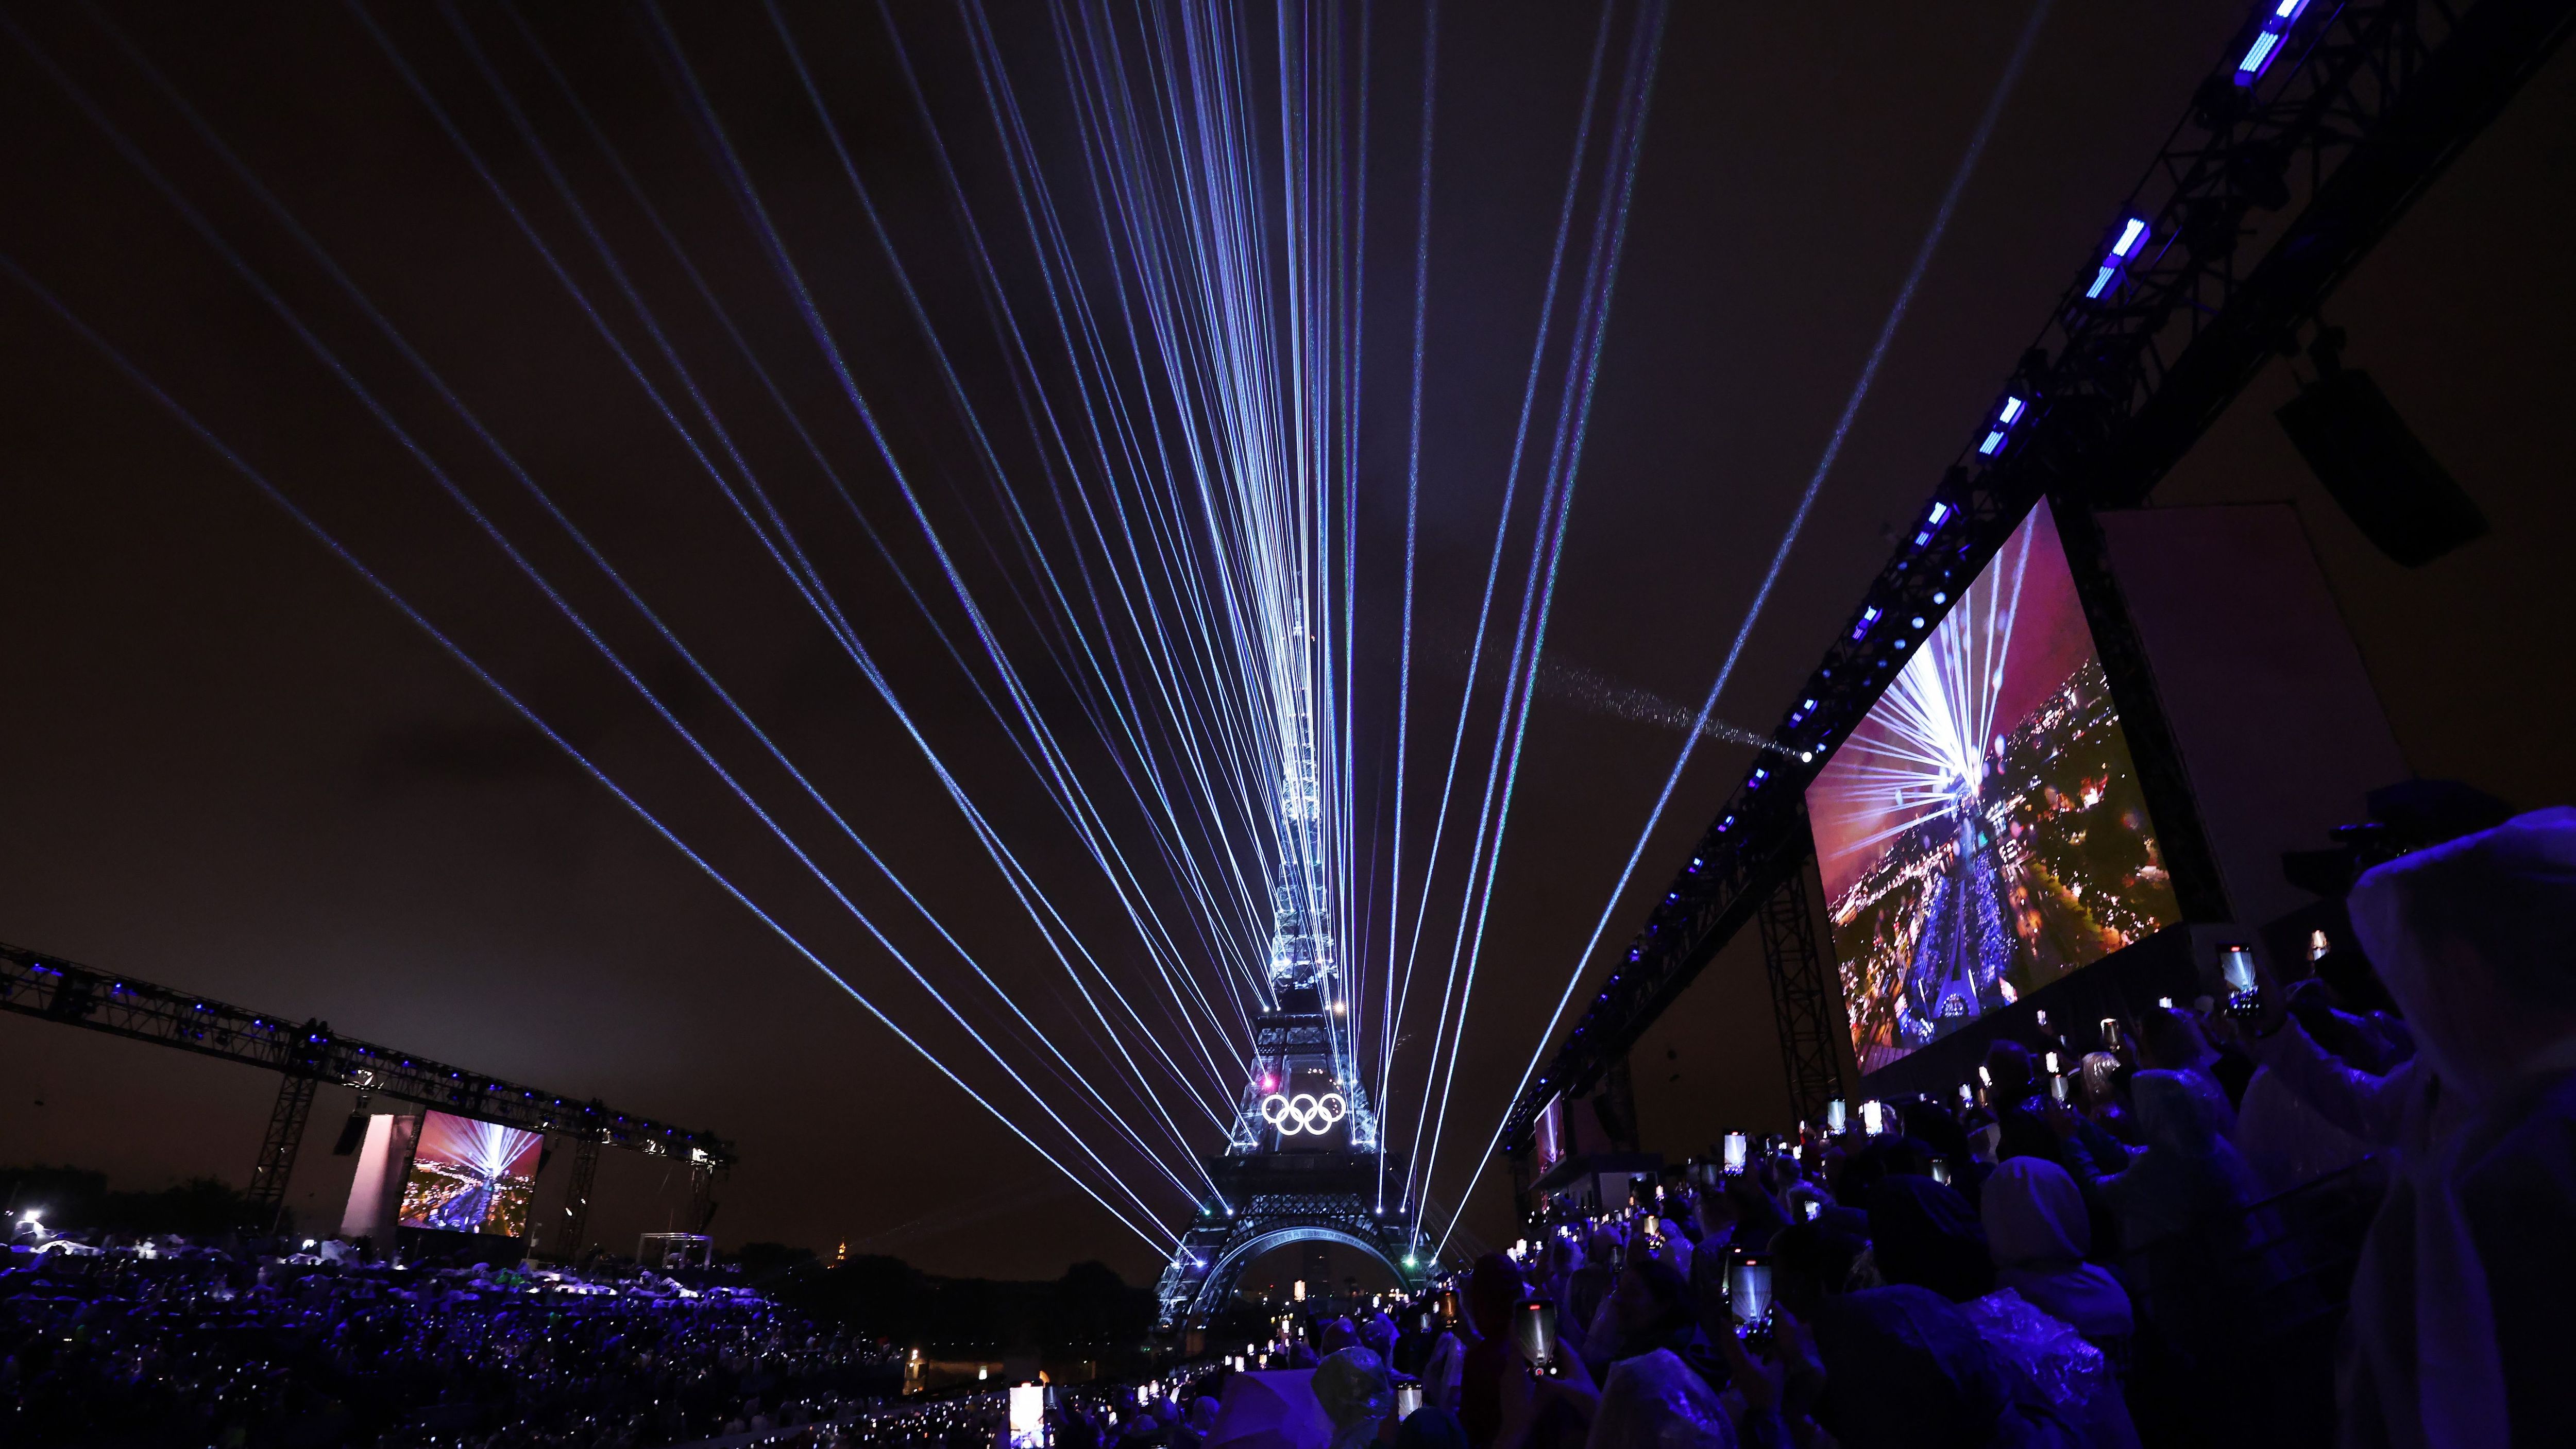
(312, 528)
(1788, 540)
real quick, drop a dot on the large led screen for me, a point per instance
(471, 1177)
(1982, 832)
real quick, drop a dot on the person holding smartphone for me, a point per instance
(1494, 1287)
(2190, 1170)
(2459, 1313)
(1652, 1308)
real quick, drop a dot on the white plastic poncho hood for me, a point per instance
(2476, 940)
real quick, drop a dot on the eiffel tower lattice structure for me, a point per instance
(1304, 1162)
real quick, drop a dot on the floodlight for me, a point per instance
(2009, 414)
(2132, 232)
(2267, 44)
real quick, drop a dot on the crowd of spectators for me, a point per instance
(166, 1342)
(2334, 1214)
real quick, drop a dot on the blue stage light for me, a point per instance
(2132, 233)
(2011, 413)
(2267, 45)
(1868, 617)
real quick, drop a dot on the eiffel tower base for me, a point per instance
(1270, 1200)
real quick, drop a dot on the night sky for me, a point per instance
(228, 765)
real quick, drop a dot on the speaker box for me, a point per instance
(352, 1133)
(2368, 458)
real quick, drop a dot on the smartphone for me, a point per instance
(1408, 1399)
(1028, 1417)
(2244, 989)
(1654, 1228)
(1748, 1291)
(1941, 1171)
(2051, 1061)
(1735, 1152)
(1448, 1306)
(1534, 1334)
(1811, 1207)
(2110, 1033)
(2057, 1088)
(1873, 1118)
(1835, 1115)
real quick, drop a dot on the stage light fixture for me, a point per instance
(2132, 233)
(2267, 44)
(2009, 414)
(1868, 617)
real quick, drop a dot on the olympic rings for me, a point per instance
(1303, 1113)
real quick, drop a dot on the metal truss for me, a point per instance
(1802, 996)
(576, 1218)
(2260, 203)
(267, 1195)
(52, 989)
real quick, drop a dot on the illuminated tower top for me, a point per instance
(1305, 1093)
(1301, 946)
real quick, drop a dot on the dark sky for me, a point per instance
(228, 765)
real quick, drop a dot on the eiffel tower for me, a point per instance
(1304, 1162)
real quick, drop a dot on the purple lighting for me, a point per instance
(2012, 411)
(2131, 234)
(2267, 45)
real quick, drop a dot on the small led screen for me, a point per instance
(471, 1177)
(1981, 831)
(1547, 1137)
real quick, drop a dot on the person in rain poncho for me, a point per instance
(2190, 1172)
(2461, 1326)
(2038, 1232)
(1655, 1401)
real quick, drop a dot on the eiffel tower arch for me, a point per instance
(1273, 1201)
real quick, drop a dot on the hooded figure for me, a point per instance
(1357, 1394)
(1904, 1368)
(2037, 1230)
(1926, 1234)
(1655, 1401)
(2189, 1173)
(2460, 1328)
(1492, 1288)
